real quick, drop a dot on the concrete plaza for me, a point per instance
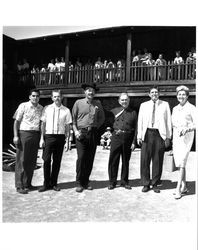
(101, 204)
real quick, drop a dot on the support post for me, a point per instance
(128, 57)
(67, 62)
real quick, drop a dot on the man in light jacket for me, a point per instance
(154, 134)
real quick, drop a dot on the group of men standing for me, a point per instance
(151, 130)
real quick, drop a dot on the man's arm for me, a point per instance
(74, 118)
(42, 142)
(67, 136)
(16, 125)
(139, 126)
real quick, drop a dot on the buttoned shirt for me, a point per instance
(184, 116)
(29, 116)
(87, 114)
(56, 119)
(126, 121)
(178, 60)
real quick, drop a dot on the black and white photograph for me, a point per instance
(99, 135)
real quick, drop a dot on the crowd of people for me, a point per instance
(152, 129)
(114, 69)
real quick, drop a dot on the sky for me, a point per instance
(24, 32)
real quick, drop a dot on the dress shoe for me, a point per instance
(30, 188)
(22, 191)
(43, 189)
(145, 189)
(127, 186)
(88, 187)
(79, 189)
(184, 190)
(111, 186)
(177, 195)
(156, 189)
(56, 188)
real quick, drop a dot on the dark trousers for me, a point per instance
(26, 157)
(86, 149)
(52, 155)
(120, 146)
(153, 148)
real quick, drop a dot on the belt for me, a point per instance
(87, 129)
(120, 131)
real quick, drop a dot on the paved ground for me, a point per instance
(101, 204)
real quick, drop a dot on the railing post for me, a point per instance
(67, 62)
(128, 57)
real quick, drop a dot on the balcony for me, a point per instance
(139, 77)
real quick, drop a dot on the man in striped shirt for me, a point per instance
(55, 131)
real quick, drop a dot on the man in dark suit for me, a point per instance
(123, 141)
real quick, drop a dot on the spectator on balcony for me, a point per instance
(88, 64)
(62, 69)
(19, 67)
(35, 75)
(51, 68)
(177, 70)
(136, 58)
(145, 56)
(98, 73)
(71, 67)
(111, 71)
(161, 70)
(20, 70)
(77, 67)
(120, 71)
(190, 67)
(25, 67)
(78, 63)
(88, 71)
(43, 75)
(178, 59)
(58, 69)
(136, 61)
(149, 72)
(194, 53)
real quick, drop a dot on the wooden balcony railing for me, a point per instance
(168, 72)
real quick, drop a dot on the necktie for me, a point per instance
(153, 115)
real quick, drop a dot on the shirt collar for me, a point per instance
(56, 107)
(31, 105)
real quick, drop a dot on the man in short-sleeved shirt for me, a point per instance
(26, 138)
(88, 116)
(55, 128)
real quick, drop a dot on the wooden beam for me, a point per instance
(66, 62)
(128, 57)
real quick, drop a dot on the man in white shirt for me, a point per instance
(26, 138)
(154, 134)
(55, 132)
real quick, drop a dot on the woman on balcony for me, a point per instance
(183, 121)
(177, 70)
(149, 62)
(161, 69)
